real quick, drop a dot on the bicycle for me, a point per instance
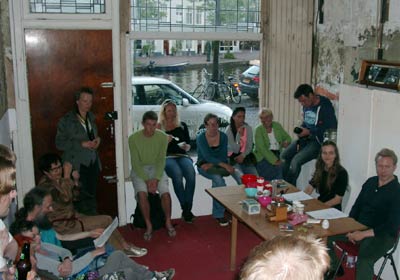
(227, 90)
(206, 88)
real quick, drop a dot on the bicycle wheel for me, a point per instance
(236, 95)
(223, 92)
(198, 91)
(209, 91)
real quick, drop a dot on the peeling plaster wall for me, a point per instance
(348, 36)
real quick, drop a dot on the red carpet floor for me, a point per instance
(200, 250)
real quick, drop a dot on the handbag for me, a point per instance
(218, 170)
(157, 215)
(250, 159)
(215, 169)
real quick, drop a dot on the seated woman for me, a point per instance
(64, 218)
(269, 139)
(212, 156)
(8, 248)
(61, 263)
(178, 164)
(240, 145)
(330, 179)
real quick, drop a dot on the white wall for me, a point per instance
(7, 126)
(368, 121)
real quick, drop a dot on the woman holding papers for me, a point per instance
(330, 179)
(178, 164)
(60, 262)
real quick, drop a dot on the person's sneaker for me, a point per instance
(223, 222)
(164, 275)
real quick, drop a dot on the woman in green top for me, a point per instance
(269, 139)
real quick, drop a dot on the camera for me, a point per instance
(297, 130)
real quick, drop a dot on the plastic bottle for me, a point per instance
(350, 261)
(260, 185)
(24, 264)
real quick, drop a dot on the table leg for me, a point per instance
(233, 242)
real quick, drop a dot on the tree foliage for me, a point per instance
(148, 9)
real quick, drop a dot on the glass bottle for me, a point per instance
(24, 264)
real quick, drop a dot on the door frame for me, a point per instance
(22, 138)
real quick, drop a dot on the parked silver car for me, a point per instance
(149, 92)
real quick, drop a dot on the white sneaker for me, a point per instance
(164, 275)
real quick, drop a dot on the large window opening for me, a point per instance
(199, 45)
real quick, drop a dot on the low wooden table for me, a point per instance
(230, 197)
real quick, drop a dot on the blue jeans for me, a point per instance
(217, 181)
(294, 159)
(269, 171)
(177, 169)
(241, 169)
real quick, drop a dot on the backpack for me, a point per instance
(157, 216)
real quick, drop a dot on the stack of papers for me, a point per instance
(300, 196)
(329, 214)
(103, 238)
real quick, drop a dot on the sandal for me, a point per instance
(148, 235)
(171, 232)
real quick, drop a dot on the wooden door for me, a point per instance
(59, 62)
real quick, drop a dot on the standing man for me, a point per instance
(318, 116)
(148, 148)
(377, 206)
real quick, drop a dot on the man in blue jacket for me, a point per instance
(377, 207)
(318, 116)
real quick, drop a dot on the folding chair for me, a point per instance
(347, 248)
(389, 255)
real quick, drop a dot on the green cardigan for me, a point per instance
(261, 142)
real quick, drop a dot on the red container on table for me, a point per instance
(268, 186)
(249, 178)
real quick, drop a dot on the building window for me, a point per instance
(67, 6)
(178, 13)
(189, 16)
(199, 16)
(164, 13)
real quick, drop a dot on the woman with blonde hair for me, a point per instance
(8, 193)
(269, 139)
(178, 164)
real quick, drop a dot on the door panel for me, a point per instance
(59, 62)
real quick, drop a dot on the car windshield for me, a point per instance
(155, 94)
(254, 70)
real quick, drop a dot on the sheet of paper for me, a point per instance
(297, 196)
(103, 238)
(329, 214)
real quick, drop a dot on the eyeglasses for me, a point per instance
(55, 168)
(168, 101)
